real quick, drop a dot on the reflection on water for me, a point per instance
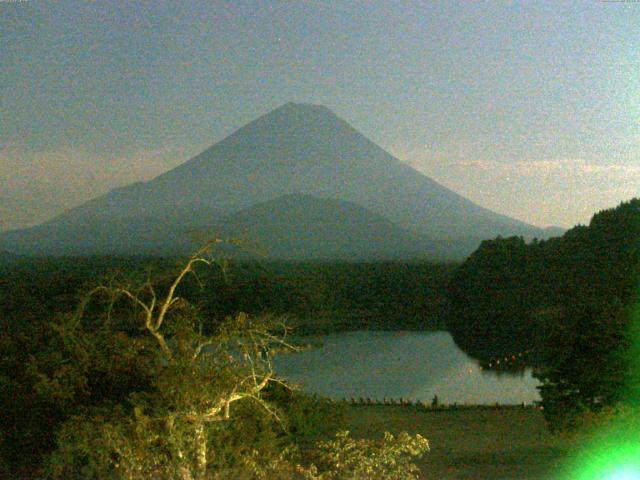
(411, 365)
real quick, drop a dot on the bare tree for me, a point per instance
(198, 380)
(198, 376)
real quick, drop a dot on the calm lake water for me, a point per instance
(411, 365)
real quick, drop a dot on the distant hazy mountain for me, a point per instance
(295, 149)
(117, 236)
(553, 232)
(295, 227)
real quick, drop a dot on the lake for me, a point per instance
(411, 365)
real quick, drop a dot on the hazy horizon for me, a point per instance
(528, 110)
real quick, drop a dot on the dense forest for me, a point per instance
(56, 364)
(568, 302)
(315, 297)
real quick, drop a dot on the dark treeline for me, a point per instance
(44, 381)
(322, 297)
(315, 297)
(568, 301)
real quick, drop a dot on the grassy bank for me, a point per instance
(489, 443)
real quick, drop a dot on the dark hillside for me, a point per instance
(302, 227)
(568, 301)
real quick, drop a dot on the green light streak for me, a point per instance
(614, 455)
(612, 450)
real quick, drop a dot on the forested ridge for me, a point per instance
(66, 380)
(315, 297)
(567, 301)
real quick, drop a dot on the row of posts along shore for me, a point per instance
(435, 404)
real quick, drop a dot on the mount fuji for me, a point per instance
(299, 168)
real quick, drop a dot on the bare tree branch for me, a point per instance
(169, 299)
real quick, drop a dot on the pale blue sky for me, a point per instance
(531, 109)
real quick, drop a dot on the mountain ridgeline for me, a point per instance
(296, 153)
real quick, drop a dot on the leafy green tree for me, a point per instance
(491, 300)
(345, 458)
(588, 364)
(569, 301)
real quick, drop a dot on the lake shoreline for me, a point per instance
(429, 407)
(376, 366)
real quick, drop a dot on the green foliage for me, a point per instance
(185, 423)
(95, 393)
(131, 390)
(592, 369)
(345, 458)
(570, 299)
(390, 295)
(368, 295)
(490, 296)
(40, 369)
(589, 423)
(308, 418)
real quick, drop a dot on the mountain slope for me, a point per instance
(295, 227)
(294, 149)
(291, 227)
